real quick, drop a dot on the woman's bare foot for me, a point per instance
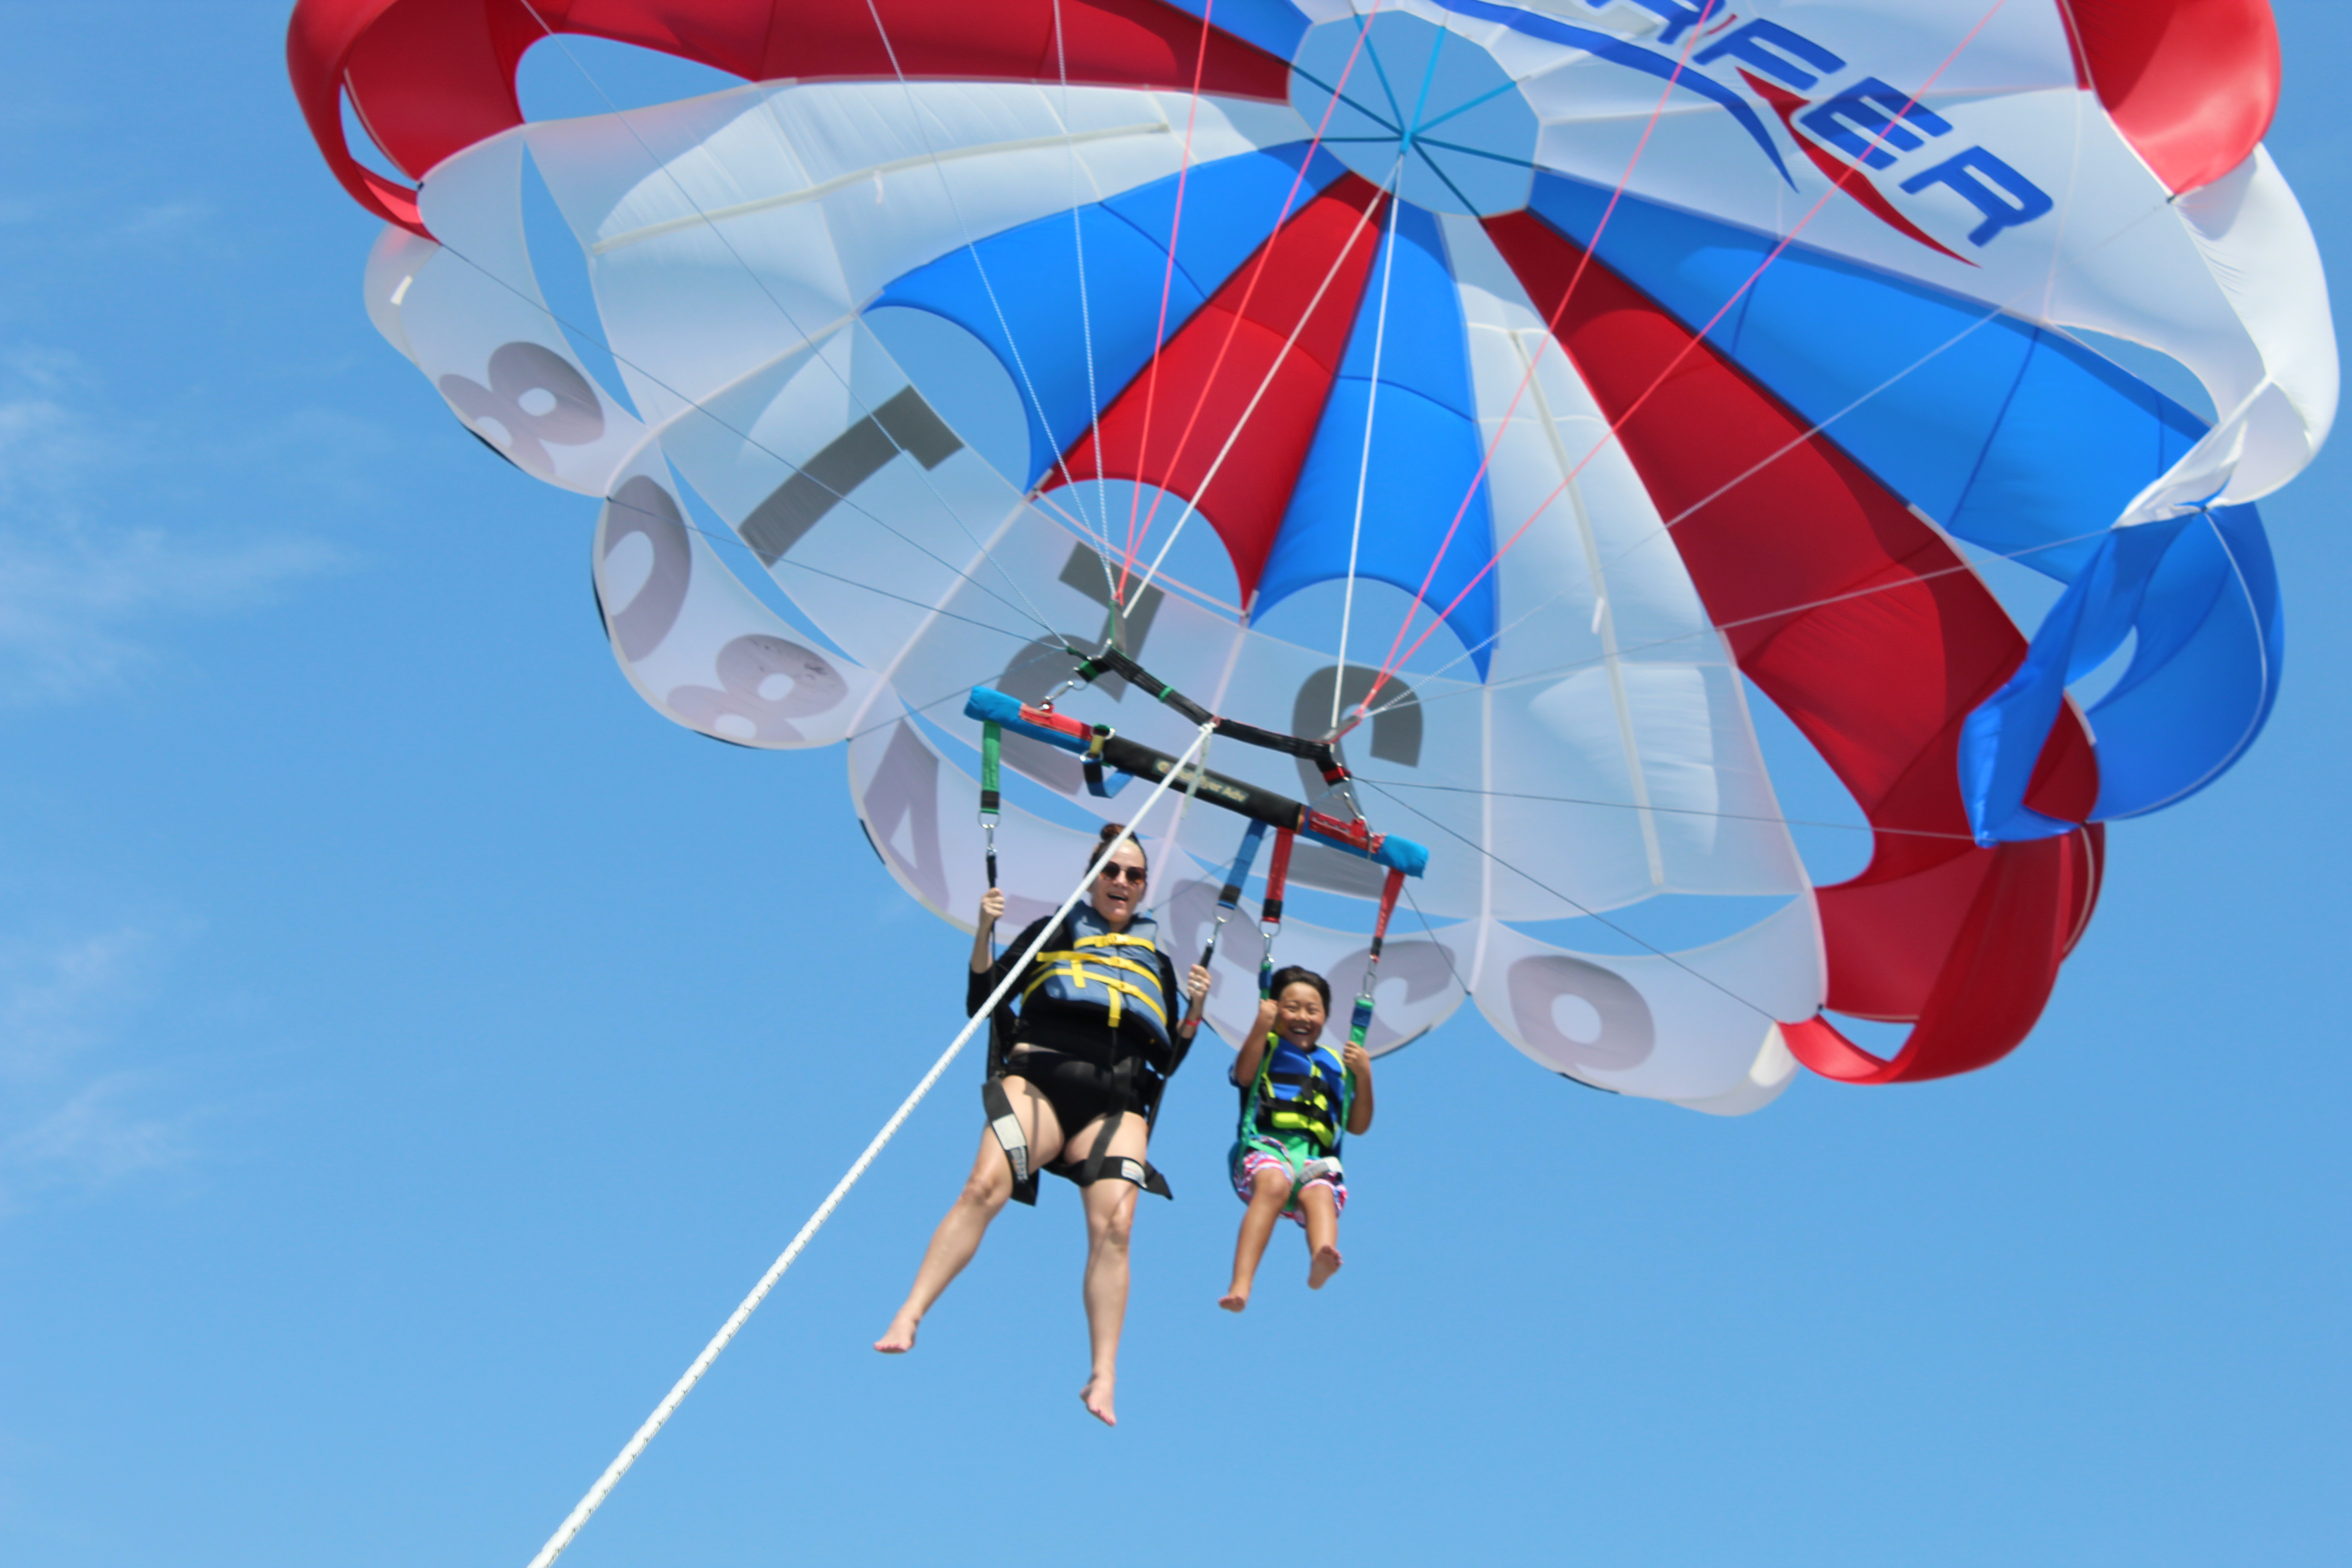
(1326, 1264)
(1097, 1396)
(1234, 1299)
(899, 1337)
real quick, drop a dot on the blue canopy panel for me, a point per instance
(2203, 593)
(2006, 434)
(1274, 26)
(2013, 438)
(1035, 322)
(1425, 409)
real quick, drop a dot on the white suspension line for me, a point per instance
(755, 444)
(1192, 505)
(1996, 310)
(972, 248)
(1364, 467)
(760, 283)
(636, 1444)
(1086, 311)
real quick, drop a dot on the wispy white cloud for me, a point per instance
(67, 1123)
(53, 1000)
(95, 561)
(99, 1137)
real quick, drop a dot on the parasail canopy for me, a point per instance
(1502, 392)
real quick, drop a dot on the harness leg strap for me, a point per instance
(998, 1105)
(1101, 1166)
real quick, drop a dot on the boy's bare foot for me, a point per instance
(1326, 1264)
(1097, 1396)
(1234, 1301)
(900, 1338)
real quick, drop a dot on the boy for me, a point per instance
(1297, 1098)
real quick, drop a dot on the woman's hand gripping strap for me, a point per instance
(1360, 1022)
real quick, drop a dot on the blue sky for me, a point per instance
(411, 1046)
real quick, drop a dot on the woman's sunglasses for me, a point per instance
(1132, 874)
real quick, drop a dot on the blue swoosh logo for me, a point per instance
(1618, 51)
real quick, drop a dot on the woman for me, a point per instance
(1074, 1083)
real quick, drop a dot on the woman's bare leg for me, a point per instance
(1269, 1194)
(1322, 1234)
(1110, 1216)
(983, 1196)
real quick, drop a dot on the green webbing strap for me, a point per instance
(991, 750)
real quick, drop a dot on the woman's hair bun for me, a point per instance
(1111, 830)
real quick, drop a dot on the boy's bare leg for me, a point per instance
(1269, 1194)
(1322, 1234)
(1110, 1218)
(984, 1193)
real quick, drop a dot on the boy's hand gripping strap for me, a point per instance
(1361, 1021)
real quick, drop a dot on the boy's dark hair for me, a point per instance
(1297, 974)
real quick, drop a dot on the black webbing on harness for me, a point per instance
(1010, 1139)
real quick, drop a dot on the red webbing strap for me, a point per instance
(1360, 1023)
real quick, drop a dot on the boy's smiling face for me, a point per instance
(1298, 1013)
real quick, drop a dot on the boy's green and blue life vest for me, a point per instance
(1117, 973)
(1300, 1091)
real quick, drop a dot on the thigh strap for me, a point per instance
(998, 1105)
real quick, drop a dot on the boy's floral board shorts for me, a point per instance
(1295, 1158)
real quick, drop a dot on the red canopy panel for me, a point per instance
(430, 78)
(1210, 385)
(1876, 640)
(2193, 84)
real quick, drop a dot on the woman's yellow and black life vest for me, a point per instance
(1300, 1091)
(1086, 966)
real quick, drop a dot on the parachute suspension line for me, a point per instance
(1167, 283)
(1024, 607)
(1527, 376)
(1540, 886)
(1394, 662)
(636, 1444)
(1086, 312)
(1192, 503)
(922, 473)
(1359, 1023)
(1229, 898)
(1249, 292)
(1423, 699)
(972, 248)
(1269, 909)
(1803, 438)
(1371, 406)
(1672, 810)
